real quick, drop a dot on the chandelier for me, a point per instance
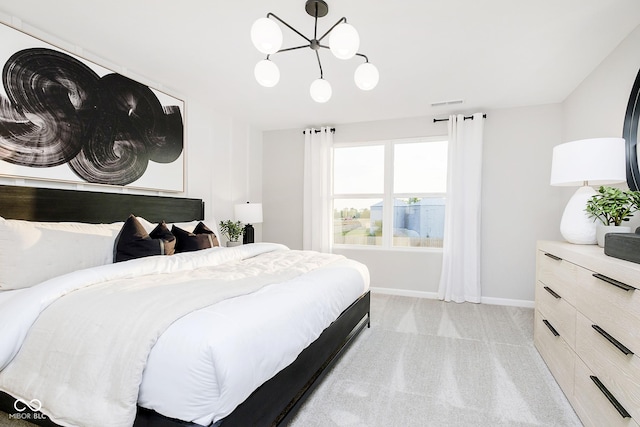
(344, 42)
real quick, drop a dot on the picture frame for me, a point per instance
(67, 119)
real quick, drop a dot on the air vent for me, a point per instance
(441, 103)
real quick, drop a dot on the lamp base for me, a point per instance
(576, 226)
(248, 235)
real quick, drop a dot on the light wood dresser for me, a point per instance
(587, 329)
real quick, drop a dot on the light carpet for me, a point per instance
(429, 363)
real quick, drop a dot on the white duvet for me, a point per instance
(208, 361)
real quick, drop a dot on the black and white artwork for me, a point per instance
(67, 119)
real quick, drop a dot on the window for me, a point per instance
(390, 193)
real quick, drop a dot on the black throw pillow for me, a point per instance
(162, 232)
(133, 241)
(188, 242)
(201, 228)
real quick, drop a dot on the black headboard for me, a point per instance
(46, 204)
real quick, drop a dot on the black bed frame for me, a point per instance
(273, 403)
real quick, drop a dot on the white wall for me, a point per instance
(282, 162)
(223, 155)
(597, 107)
(519, 206)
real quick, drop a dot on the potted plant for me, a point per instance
(232, 231)
(612, 206)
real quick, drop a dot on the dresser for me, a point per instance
(587, 330)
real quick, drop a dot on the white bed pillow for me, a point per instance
(32, 252)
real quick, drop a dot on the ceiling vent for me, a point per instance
(443, 103)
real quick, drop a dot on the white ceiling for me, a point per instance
(490, 53)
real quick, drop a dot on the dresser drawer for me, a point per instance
(600, 352)
(556, 353)
(591, 404)
(557, 310)
(614, 309)
(558, 274)
(604, 293)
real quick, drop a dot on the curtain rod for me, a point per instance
(332, 130)
(484, 116)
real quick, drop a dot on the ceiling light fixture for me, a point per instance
(344, 42)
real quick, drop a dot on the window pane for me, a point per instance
(420, 167)
(357, 222)
(418, 222)
(358, 170)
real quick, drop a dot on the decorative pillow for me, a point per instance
(133, 241)
(162, 232)
(193, 227)
(201, 228)
(201, 238)
(32, 252)
(190, 226)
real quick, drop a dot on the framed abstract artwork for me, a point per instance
(64, 118)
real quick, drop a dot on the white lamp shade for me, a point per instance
(267, 73)
(598, 161)
(366, 76)
(344, 41)
(249, 213)
(266, 36)
(320, 90)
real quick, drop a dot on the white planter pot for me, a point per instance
(601, 230)
(232, 244)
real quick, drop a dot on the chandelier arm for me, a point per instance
(292, 48)
(340, 21)
(357, 54)
(289, 26)
(319, 64)
(363, 55)
(315, 23)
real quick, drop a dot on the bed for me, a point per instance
(270, 402)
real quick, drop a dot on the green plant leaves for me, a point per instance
(613, 205)
(231, 230)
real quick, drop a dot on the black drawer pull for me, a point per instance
(612, 340)
(551, 328)
(623, 412)
(613, 282)
(552, 256)
(548, 289)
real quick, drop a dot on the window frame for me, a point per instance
(387, 197)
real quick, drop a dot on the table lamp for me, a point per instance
(597, 161)
(248, 213)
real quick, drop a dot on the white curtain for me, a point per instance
(460, 279)
(317, 185)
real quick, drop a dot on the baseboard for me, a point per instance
(510, 302)
(434, 295)
(404, 293)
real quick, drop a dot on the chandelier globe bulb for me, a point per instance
(266, 36)
(320, 90)
(267, 73)
(344, 41)
(366, 76)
